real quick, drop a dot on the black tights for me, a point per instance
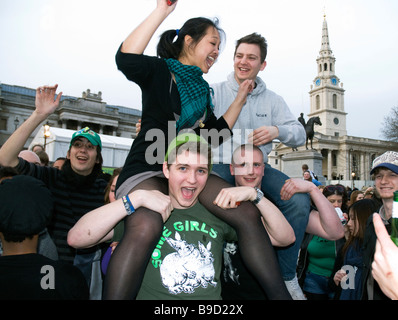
(143, 230)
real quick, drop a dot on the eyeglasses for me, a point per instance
(335, 188)
(80, 144)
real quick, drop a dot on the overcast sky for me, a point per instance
(73, 43)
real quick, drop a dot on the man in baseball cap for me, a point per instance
(385, 173)
(388, 160)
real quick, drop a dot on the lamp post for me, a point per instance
(353, 177)
(46, 134)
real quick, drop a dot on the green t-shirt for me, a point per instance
(321, 256)
(186, 263)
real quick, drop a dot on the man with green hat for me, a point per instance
(76, 189)
(187, 166)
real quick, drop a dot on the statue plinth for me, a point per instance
(292, 162)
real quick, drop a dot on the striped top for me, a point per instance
(71, 201)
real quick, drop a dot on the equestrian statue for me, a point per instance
(309, 128)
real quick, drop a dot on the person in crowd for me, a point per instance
(356, 196)
(37, 147)
(345, 201)
(385, 263)
(264, 117)
(248, 169)
(369, 192)
(111, 187)
(385, 174)
(29, 156)
(186, 246)
(175, 98)
(25, 274)
(76, 188)
(305, 168)
(318, 254)
(59, 162)
(351, 254)
(307, 176)
(43, 156)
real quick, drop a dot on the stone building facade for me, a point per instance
(17, 104)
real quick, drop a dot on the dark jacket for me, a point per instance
(73, 195)
(369, 246)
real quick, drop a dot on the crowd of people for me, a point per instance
(192, 214)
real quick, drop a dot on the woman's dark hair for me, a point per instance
(338, 190)
(196, 28)
(333, 189)
(361, 210)
(115, 173)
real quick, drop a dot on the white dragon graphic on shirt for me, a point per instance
(188, 268)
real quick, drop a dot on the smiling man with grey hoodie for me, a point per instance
(263, 118)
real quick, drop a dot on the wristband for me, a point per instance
(128, 205)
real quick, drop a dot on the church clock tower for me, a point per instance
(327, 93)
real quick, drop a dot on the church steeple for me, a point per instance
(327, 93)
(326, 60)
(325, 48)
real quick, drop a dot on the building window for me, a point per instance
(331, 67)
(3, 124)
(334, 160)
(325, 67)
(335, 101)
(318, 102)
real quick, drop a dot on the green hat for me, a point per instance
(89, 134)
(184, 138)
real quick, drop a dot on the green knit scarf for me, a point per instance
(194, 92)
